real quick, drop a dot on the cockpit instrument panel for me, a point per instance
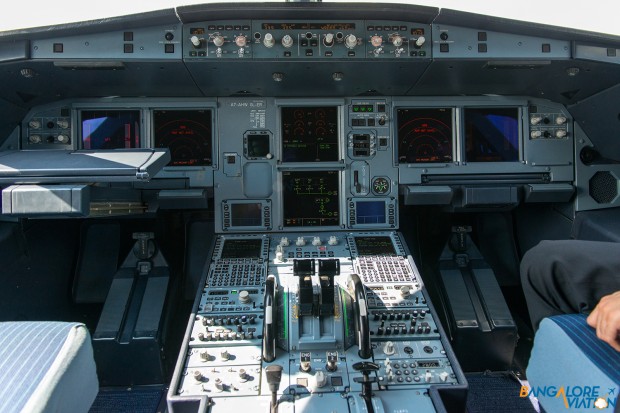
(310, 198)
(188, 134)
(110, 129)
(425, 135)
(310, 134)
(491, 134)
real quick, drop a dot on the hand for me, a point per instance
(605, 318)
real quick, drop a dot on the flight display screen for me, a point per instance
(310, 198)
(188, 134)
(246, 215)
(424, 135)
(370, 212)
(110, 129)
(491, 134)
(242, 248)
(310, 134)
(374, 246)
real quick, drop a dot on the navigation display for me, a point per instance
(242, 248)
(310, 198)
(424, 135)
(188, 134)
(310, 134)
(110, 129)
(374, 246)
(491, 134)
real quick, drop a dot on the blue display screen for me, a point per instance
(370, 212)
(492, 134)
(110, 129)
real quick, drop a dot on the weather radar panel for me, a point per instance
(425, 135)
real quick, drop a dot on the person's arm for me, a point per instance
(605, 318)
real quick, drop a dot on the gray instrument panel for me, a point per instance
(222, 358)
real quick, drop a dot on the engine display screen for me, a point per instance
(110, 129)
(242, 248)
(374, 246)
(188, 134)
(310, 134)
(246, 215)
(310, 198)
(424, 135)
(370, 212)
(492, 134)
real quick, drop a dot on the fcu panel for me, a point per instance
(291, 40)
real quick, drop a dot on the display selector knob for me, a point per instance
(287, 41)
(376, 40)
(397, 41)
(196, 42)
(241, 41)
(329, 40)
(268, 40)
(218, 41)
(420, 41)
(350, 41)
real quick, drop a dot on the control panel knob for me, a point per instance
(328, 40)
(34, 124)
(64, 123)
(397, 41)
(243, 376)
(316, 241)
(405, 291)
(428, 377)
(198, 375)
(195, 40)
(279, 253)
(560, 133)
(244, 297)
(305, 366)
(535, 134)
(420, 41)
(331, 365)
(284, 242)
(350, 41)
(320, 379)
(268, 40)
(300, 242)
(219, 385)
(560, 120)
(218, 41)
(535, 120)
(63, 138)
(204, 355)
(389, 348)
(34, 139)
(333, 240)
(376, 40)
(241, 41)
(443, 376)
(287, 41)
(382, 120)
(224, 355)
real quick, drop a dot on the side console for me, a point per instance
(314, 322)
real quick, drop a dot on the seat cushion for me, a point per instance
(46, 367)
(571, 368)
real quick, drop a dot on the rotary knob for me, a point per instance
(284, 242)
(287, 41)
(224, 355)
(244, 297)
(350, 41)
(204, 355)
(218, 41)
(333, 240)
(63, 138)
(397, 41)
(320, 379)
(268, 40)
(34, 139)
(300, 242)
(389, 349)
(560, 120)
(195, 40)
(64, 123)
(328, 40)
(316, 241)
(560, 133)
(241, 41)
(420, 42)
(376, 40)
(34, 124)
(405, 291)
